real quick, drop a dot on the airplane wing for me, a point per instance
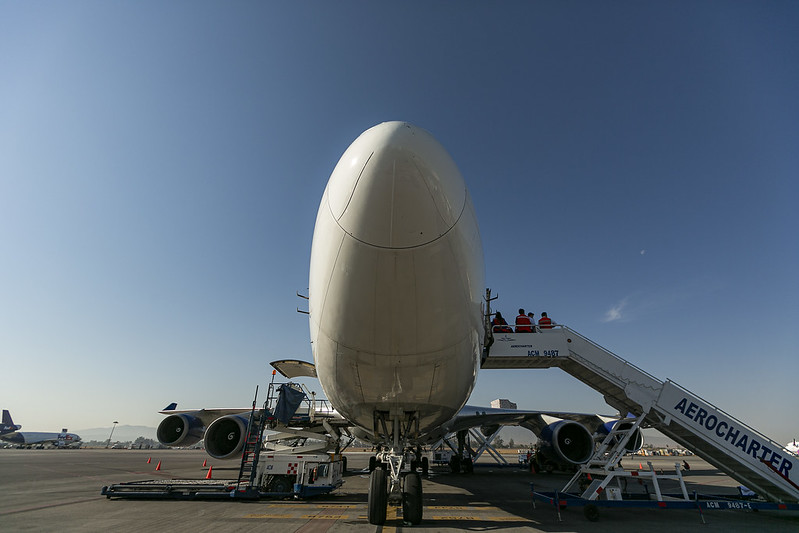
(472, 416)
(206, 416)
(569, 436)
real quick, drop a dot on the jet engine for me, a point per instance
(566, 441)
(489, 430)
(636, 441)
(225, 437)
(180, 430)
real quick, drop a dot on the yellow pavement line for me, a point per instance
(335, 506)
(304, 517)
(455, 518)
(462, 508)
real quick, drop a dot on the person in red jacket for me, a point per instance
(523, 323)
(544, 322)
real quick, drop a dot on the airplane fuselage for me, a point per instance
(37, 437)
(396, 281)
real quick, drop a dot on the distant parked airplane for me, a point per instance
(30, 438)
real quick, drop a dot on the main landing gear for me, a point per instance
(458, 463)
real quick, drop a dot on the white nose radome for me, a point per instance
(402, 181)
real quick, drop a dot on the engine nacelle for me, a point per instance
(489, 430)
(636, 441)
(569, 441)
(180, 430)
(225, 437)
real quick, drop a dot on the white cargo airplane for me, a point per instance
(397, 317)
(9, 432)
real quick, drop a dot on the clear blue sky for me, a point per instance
(633, 166)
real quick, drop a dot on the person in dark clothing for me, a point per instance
(500, 324)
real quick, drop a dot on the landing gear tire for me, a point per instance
(455, 464)
(591, 512)
(425, 467)
(468, 466)
(412, 499)
(378, 497)
(281, 485)
(372, 463)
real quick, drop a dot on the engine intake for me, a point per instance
(636, 441)
(225, 437)
(569, 441)
(180, 430)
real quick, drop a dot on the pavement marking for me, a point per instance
(462, 508)
(295, 516)
(393, 515)
(336, 506)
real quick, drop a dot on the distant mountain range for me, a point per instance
(121, 433)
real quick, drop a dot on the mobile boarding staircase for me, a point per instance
(723, 441)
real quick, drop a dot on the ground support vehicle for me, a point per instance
(301, 476)
(278, 476)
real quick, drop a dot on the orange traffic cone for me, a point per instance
(589, 477)
(205, 461)
(148, 460)
(208, 475)
(640, 466)
(158, 466)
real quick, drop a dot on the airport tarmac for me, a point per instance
(46, 490)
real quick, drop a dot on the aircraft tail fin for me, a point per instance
(8, 425)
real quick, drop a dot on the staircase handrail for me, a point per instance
(620, 359)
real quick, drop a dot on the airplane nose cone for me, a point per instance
(402, 181)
